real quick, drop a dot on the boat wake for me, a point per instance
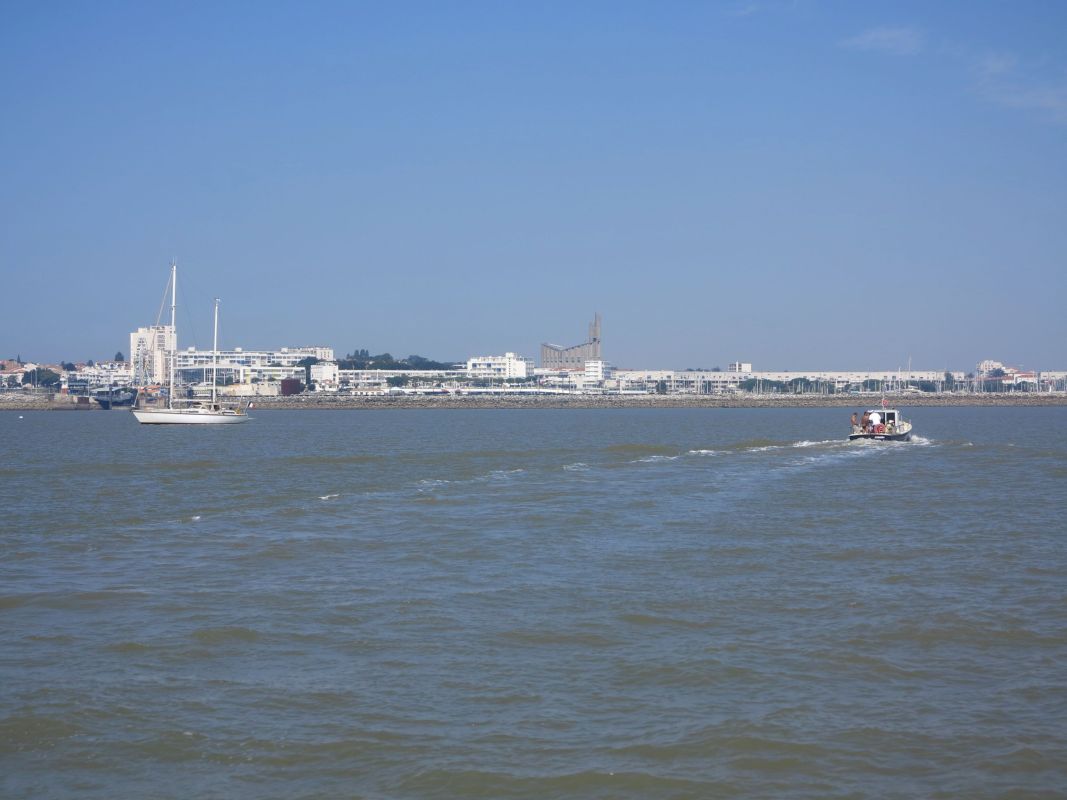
(654, 459)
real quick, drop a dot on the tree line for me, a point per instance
(362, 359)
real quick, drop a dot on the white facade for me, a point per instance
(150, 350)
(507, 366)
(246, 366)
(706, 382)
(376, 381)
(325, 376)
(286, 357)
(596, 372)
(105, 373)
(739, 366)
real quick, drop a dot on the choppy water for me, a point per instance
(495, 604)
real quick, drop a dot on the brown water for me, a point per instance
(613, 603)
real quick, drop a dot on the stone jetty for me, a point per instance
(40, 402)
(322, 401)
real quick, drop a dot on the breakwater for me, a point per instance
(316, 401)
(28, 402)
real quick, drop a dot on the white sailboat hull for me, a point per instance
(213, 413)
(188, 416)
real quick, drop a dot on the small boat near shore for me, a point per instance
(882, 425)
(113, 396)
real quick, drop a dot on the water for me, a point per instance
(526, 604)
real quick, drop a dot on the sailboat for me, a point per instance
(189, 412)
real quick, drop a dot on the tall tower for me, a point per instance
(594, 338)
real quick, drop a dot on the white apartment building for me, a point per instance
(104, 373)
(245, 366)
(739, 366)
(710, 382)
(326, 376)
(375, 381)
(596, 372)
(507, 366)
(150, 350)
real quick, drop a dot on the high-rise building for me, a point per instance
(553, 356)
(151, 349)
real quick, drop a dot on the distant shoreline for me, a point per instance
(334, 402)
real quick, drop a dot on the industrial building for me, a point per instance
(556, 357)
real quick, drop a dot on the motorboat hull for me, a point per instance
(109, 400)
(882, 437)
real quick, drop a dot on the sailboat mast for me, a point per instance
(215, 355)
(173, 330)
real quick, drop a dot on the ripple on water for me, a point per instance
(752, 612)
(227, 634)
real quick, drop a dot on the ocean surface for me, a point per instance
(675, 603)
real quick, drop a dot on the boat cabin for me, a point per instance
(881, 424)
(886, 415)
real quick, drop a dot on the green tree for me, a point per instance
(119, 356)
(306, 364)
(661, 387)
(362, 359)
(397, 381)
(41, 377)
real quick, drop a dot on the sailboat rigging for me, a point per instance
(188, 412)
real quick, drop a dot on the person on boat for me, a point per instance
(855, 423)
(865, 422)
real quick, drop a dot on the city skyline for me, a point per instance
(798, 185)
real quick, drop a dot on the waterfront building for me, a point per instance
(246, 366)
(325, 376)
(151, 349)
(12, 373)
(596, 372)
(739, 366)
(379, 381)
(103, 373)
(506, 367)
(556, 357)
(712, 382)
(106, 373)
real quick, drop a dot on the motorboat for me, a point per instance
(112, 396)
(884, 425)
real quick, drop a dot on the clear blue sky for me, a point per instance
(798, 184)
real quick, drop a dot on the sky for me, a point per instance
(800, 185)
